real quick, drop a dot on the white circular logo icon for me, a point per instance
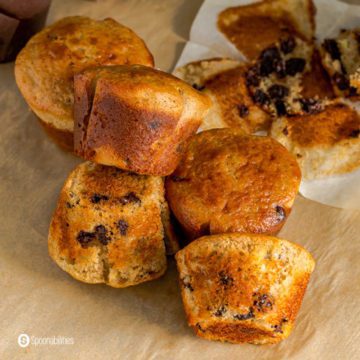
(23, 340)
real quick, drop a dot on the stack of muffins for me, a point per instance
(93, 86)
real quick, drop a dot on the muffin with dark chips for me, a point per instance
(230, 182)
(110, 226)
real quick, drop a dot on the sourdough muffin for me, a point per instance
(135, 117)
(44, 69)
(230, 182)
(224, 81)
(243, 288)
(107, 226)
(341, 58)
(325, 142)
(252, 28)
(275, 80)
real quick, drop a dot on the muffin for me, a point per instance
(254, 27)
(224, 81)
(325, 142)
(107, 226)
(275, 80)
(230, 182)
(341, 59)
(243, 288)
(135, 117)
(44, 69)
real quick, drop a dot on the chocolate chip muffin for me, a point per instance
(224, 81)
(135, 117)
(326, 142)
(107, 226)
(275, 80)
(341, 58)
(44, 69)
(230, 182)
(243, 288)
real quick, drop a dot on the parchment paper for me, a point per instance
(332, 15)
(146, 321)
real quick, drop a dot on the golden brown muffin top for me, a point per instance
(44, 69)
(230, 182)
(244, 279)
(335, 123)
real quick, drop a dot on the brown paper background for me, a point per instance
(146, 321)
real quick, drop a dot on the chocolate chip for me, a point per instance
(269, 59)
(271, 53)
(281, 214)
(288, 45)
(101, 234)
(69, 205)
(243, 110)
(263, 302)
(280, 108)
(341, 81)
(331, 46)
(277, 91)
(249, 315)
(220, 312)
(266, 67)
(85, 238)
(278, 328)
(225, 279)
(294, 66)
(123, 227)
(285, 131)
(188, 286)
(129, 198)
(260, 97)
(199, 327)
(311, 106)
(352, 91)
(96, 198)
(154, 125)
(198, 87)
(252, 77)
(354, 133)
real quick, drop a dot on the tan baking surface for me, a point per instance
(147, 321)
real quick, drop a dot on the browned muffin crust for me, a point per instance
(316, 83)
(108, 226)
(243, 288)
(254, 27)
(45, 67)
(230, 182)
(135, 117)
(325, 142)
(335, 123)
